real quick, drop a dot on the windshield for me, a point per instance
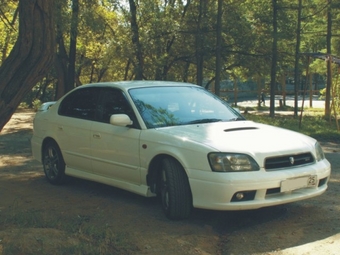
(170, 106)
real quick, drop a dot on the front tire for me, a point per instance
(53, 163)
(175, 190)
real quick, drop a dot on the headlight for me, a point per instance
(319, 152)
(232, 162)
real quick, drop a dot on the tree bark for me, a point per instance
(30, 58)
(329, 63)
(200, 44)
(297, 58)
(60, 64)
(73, 46)
(136, 42)
(218, 48)
(274, 61)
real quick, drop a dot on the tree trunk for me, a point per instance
(218, 48)
(274, 60)
(135, 41)
(73, 43)
(329, 63)
(30, 58)
(199, 45)
(126, 73)
(297, 54)
(60, 64)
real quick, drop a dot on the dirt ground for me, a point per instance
(138, 224)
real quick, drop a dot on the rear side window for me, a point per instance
(80, 104)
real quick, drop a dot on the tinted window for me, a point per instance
(81, 103)
(113, 101)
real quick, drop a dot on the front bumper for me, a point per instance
(217, 191)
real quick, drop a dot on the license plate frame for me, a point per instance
(310, 181)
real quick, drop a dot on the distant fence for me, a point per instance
(242, 94)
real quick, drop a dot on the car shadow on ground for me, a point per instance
(23, 188)
(266, 229)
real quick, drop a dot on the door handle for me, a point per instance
(97, 136)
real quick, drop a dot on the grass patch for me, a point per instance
(41, 232)
(313, 124)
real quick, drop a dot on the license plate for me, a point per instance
(299, 183)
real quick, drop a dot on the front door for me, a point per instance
(115, 150)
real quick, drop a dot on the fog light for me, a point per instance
(239, 196)
(242, 196)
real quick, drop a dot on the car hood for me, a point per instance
(242, 136)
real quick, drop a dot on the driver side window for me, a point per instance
(113, 101)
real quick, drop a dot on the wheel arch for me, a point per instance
(46, 141)
(153, 176)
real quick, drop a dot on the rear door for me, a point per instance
(76, 115)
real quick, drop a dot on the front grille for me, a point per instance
(273, 191)
(288, 161)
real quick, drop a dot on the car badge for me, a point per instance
(291, 160)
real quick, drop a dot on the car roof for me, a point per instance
(126, 85)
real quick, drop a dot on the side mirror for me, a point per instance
(121, 120)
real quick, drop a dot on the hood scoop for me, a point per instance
(240, 129)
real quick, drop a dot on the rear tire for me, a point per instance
(175, 190)
(53, 163)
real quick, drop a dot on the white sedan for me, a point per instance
(177, 141)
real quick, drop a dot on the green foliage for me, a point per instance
(36, 104)
(8, 27)
(313, 125)
(169, 33)
(41, 93)
(322, 93)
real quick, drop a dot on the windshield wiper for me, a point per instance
(199, 121)
(236, 119)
